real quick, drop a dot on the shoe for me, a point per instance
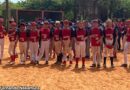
(32, 62)
(124, 65)
(37, 62)
(56, 63)
(28, 57)
(76, 66)
(112, 66)
(64, 62)
(88, 57)
(12, 63)
(98, 66)
(83, 67)
(46, 63)
(22, 62)
(93, 65)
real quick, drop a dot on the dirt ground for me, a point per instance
(58, 78)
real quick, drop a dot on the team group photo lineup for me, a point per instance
(67, 42)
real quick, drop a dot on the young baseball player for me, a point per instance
(66, 42)
(22, 35)
(96, 39)
(33, 42)
(12, 34)
(57, 42)
(11, 21)
(109, 41)
(2, 33)
(127, 44)
(45, 42)
(80, 45)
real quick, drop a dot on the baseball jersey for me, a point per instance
(1, 32)
(23, 36)
(12, 34)
(34, 36)
(121, 27)
(66, 34)
(96, 34)
(81, 34)
(57, 34)
(109, 37)
(128, 35)
(45, 34)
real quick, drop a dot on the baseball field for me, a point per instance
(54, 77)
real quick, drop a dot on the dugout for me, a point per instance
(29, 15)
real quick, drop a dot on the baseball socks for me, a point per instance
(104, 63)
(0, 61)
(77, 61)
(12, 61)
(83, 63)
(111, 59)
(57, 60)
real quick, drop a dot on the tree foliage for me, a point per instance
(113, 8)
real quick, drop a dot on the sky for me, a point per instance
(14, 1)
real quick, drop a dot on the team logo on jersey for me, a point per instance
(21, 39)
(44, 36)
(80, 37)
(56, 37)
(66, 37)
(33, 38)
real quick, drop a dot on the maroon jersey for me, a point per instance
(80, 35)
(12, 35)
(56, 34)
(45, 34)
(34, 36)
(23, 36)
(128, 35)
(1, 32)
(109, 38)
(96, 36)
(66, 34)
